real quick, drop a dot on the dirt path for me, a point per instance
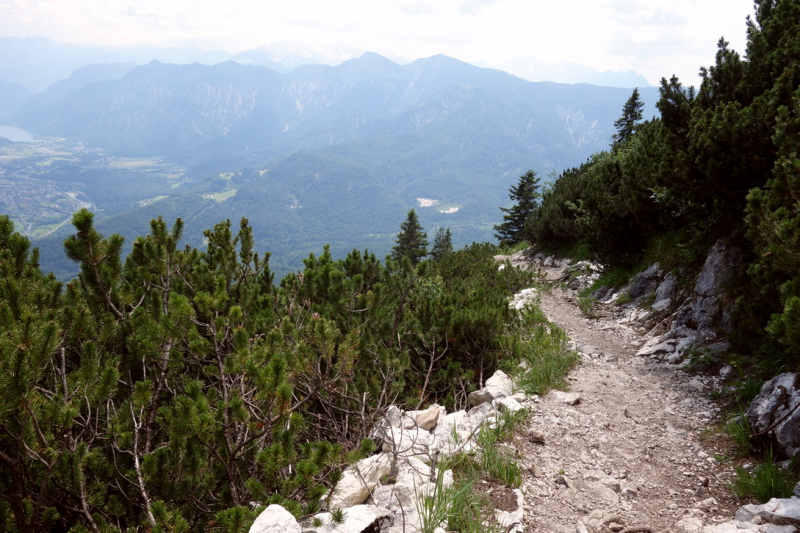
(635, 451)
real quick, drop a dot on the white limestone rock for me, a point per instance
(359, 479)
(507, 404)
(275, 519)
(424, 419)
(569, 398)
(662, 347)
(454, 432)
(773, 510)
(497, 386)
(409, 442)
(357, 519)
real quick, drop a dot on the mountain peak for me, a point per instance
(373, 58)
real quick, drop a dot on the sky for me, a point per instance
(654, 38)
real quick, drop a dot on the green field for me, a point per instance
(221, 196)
(137, 163)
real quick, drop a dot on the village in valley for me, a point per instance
(42, 183)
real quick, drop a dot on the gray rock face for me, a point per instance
(721, 263)
(665, 292)
(709, 310)
(275, 519)
(645, 282)
(778, 402)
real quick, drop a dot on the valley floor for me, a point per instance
(641, 451)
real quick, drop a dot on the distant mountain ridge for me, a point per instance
(230, 108)
(38, 62)
(335, 155)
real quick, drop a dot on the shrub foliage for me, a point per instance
(168, 390)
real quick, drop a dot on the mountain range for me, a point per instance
(321, 154)
(38, 62)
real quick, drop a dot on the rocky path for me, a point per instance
(635, 453)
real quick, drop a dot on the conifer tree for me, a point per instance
(442, 244)
(526, 194)
(412, 241)
(629, 121)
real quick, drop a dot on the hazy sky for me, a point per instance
(654, 38)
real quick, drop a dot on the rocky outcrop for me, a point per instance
(381, 492)
(679, 320)
(645, 283)
(581, 274)
(775, 413)
(707, 312)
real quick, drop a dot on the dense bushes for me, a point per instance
(720, 162)
(170, 390)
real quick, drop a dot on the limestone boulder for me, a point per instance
(359, 479)
(777, 509)
(275, 519)
(413, 474)
(497, 386)
(357, 519)
(454, 432)
(711, 309)
(777, 403)
(507, 405)
(409, 442)
(722, 262)
(484, 412)
(424, 419)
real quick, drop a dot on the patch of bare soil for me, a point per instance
(637, 451)
(501, 497)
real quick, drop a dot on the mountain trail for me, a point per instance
(632, 447)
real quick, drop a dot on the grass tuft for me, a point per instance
(738, 428)
(540, 357)
(767, 481)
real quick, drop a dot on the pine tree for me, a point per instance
(442, 244)
(628, 123)
(526, 194)
(412, 241)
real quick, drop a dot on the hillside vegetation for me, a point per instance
(721, 162)
(169, 390)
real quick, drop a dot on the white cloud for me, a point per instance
(642, 35)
